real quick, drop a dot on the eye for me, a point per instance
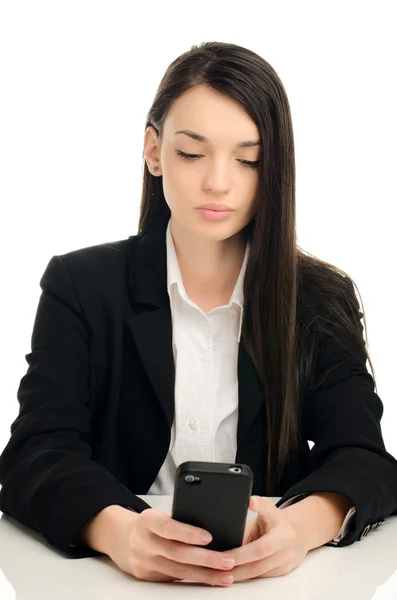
(247, 164)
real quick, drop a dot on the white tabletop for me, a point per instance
(31, 569)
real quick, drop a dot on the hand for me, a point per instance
(155, 547)
(271, 545)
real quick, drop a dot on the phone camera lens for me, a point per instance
(235, 469)
(189, 478)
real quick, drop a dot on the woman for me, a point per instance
(209, 335)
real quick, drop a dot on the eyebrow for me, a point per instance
(201, 138)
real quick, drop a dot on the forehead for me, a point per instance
(211, 116)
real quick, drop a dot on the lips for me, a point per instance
(214, 215)
(216, 207)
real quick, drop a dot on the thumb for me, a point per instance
(265, 508)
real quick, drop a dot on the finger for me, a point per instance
(261, 503)
(266, 509)
(253, 503)
(260, 549)
(188, 554)
(180, 570)
(165, 526)
(259, 568)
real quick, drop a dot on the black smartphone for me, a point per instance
(214, 496)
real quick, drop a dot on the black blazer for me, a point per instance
(97, 404)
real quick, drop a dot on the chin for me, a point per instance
(219, 233)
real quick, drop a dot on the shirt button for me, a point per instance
(194, 423)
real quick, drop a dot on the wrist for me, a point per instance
(318, 517)
(100, 531)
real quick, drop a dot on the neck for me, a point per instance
(208, 265)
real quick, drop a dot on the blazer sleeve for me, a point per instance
(342, 417)
(49, 480)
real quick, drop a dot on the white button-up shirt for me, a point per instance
(205, 348)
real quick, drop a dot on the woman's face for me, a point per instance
(219, 174)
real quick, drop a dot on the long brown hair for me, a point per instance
(282, 282)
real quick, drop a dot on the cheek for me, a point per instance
(177, 186)
(178, 181)
(250, 211)
(183, 175)
(176, 175)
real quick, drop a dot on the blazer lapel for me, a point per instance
(148, 317)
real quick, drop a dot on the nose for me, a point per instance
(217, 179)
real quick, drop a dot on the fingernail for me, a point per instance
(227, 563)
(227, 578)
(206, 538)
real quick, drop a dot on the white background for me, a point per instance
(77, 79)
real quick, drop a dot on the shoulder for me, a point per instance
(328, 312)
(330, 341)
(101, 262)
(324, 292)
(96, 273)
(99, 256)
